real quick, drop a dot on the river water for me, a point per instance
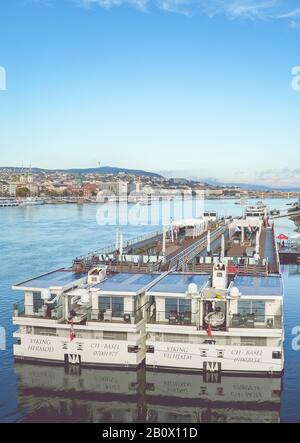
(37, 239)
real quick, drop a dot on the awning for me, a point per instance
(282, 237)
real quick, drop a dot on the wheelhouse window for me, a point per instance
(37, 301)
(52, 297)
(252, 307)
(178, 306)
(115, 304)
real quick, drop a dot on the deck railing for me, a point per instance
(102, 315)
(248, 321)
(188, 254)
(172, 318)
(19, 310)
(255, 321)
(112, 247)
(257, 269)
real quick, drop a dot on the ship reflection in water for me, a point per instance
(212, 398)
(52, 394)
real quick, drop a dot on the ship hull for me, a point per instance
(82, 352)
(235, 359)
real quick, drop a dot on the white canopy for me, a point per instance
(188, 222)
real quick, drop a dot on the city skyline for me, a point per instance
(166, 86)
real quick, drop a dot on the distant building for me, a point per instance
(213, 192)
(4, 187)
(134, 186)
(33, 188)
(26, 178)
(13, 189)
(119, 188)
(89, 189)
(8, 188)
(74, 190)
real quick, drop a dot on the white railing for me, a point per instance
(112, 247)
(192, 251)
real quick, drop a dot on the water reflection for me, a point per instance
(212, 398)
(292, 269)
(50, 393)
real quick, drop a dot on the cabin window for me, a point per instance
(133, 349)
(37, 301)
(253, 341)
(276, 354)
(110, 335)
(178, 305)
(115, 304)
(256, 307)
(176, 338)
(44, 331)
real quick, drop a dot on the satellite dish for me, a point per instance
(46, 295)
(235, 292)
(85, 298)
(193, 289)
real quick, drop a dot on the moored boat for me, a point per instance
(209, 300)
(8, 202)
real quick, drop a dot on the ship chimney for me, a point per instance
(220, 276)
(96, 275)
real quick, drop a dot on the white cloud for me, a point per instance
(294, 24)
(139, 4)
(177, 6)
(249, 9)
(291, 14)
(272, 177)
(232, 9)
(283, 178)
(276, 179)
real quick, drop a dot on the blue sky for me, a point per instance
(193, 87)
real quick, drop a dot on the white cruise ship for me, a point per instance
(202, 296)
(214, 324)
(88, 319)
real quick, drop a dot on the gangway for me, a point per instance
(187, 255)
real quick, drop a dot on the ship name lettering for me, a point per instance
(40, 341)
(177, 356)
(177, 349)
(106, 346)
(34, 348)
(105, 354)
(247, 359)
(254, 352)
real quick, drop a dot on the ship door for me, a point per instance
(211, 366)
(73, 359)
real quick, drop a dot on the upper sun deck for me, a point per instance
(259, 286)
(126, 283)
(178, 283)
(59, 280)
